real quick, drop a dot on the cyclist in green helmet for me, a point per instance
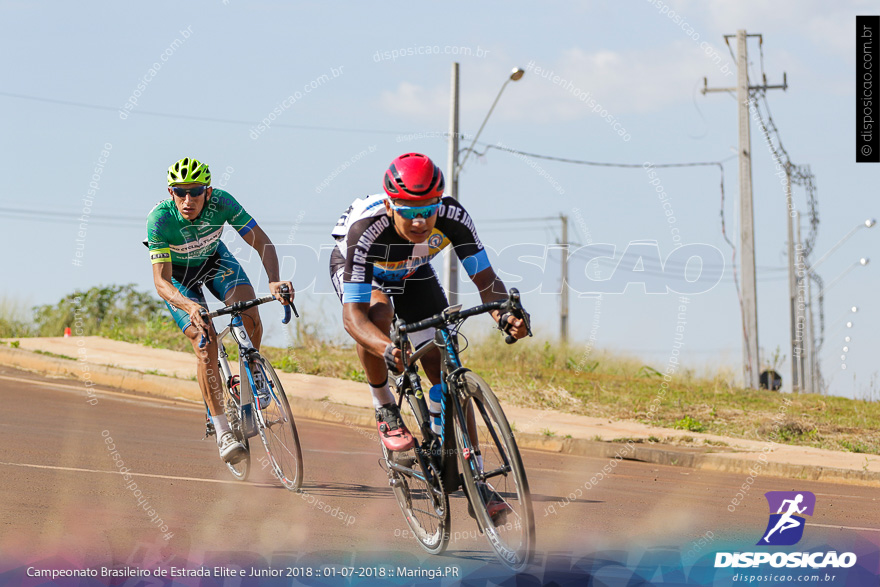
(183, 235)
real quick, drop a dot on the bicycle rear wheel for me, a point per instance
(420, 493)
(277, 428)
(512, 533)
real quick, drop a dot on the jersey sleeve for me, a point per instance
(458, 226)
(357, 276)
(234, 213)
(157, 243)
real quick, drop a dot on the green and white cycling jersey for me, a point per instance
(173, 239)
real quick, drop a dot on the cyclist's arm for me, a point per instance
(260, 241)
(166, 290)
(356, 320)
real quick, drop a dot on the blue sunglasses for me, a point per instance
(194, 192)
(413, 212)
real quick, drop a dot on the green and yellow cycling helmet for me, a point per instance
(189, 170)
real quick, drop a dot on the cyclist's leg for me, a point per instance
(230, 284)
(206, 370)
(422, 297)
(381, 313)
(394, 433)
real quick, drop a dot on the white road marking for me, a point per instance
(845, 527)
(80, 388)
(153, 476)
(839, 495)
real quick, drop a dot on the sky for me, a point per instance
(341, 90)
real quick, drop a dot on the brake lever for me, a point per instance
(204, 339)
(515, 308)
(285, 293)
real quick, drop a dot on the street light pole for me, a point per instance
(869, 223)
(450, 276)
(812, 357)
(515, 75)
(454, 168)
(863, 261)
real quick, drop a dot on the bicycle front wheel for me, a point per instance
(241, 469)
(498, 491)
(277, 427)
(419, 492)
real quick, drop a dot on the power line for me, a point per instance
(718, 164)
(250, 123)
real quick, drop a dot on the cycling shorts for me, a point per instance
(417, 297)
(221, 273)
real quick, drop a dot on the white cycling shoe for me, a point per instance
(231, 450)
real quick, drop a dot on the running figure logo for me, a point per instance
(786, 527)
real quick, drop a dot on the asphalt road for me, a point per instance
(62, 500)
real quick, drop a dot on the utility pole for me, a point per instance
(563, 300)
(797, 350)
(747, 216)
(809, 333)
(450, 276)
(801, 315)
(751, 360)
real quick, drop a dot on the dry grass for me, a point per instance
(579, 380)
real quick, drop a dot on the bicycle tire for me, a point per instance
(415, 496)
(242, 469)
(278, 430)
(512, 539)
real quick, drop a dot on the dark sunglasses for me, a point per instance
(194, 192)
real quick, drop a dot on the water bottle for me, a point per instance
(435, 397)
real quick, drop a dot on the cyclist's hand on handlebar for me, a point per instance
(200, 322)
(275, 288)
(393, 358)
(515, 327)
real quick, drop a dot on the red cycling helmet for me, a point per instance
(413, 176)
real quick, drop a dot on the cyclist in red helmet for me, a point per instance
(386, 242)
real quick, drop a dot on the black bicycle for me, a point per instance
(472, 424)
(256, 403)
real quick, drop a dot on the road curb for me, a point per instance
(364, 420)
(84, 372)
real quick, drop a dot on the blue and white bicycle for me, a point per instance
(255, 402)
(470, 424)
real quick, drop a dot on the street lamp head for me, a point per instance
(846, 349)
(849, 324)
(517, 74)
(854, 309)
(870, 222)
(847, 339)
(864, 260)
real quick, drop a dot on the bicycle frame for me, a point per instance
(245, 347)
(451, 379)
(451, 373)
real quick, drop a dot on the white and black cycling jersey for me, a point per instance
(369, 250)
